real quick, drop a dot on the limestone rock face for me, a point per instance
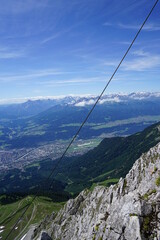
(129, 210)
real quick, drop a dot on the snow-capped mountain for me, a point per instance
(83, 100)
(116, 98)
(33, 106)
(88, 98)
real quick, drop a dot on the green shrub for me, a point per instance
(146, 195)
(155, 169)
(146, 223)
(133, 214)
(158, 181)
(94, 237)
(96, 228)
(153, 191)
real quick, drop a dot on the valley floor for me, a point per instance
(19, 158)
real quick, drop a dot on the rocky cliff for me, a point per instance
(128, 210)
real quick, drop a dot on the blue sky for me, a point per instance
(65, 47)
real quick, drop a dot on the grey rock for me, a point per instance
(158, 196)
(45, 236)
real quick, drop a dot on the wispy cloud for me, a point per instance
(141, 53)
(19, 6)
(54, 36)
(144, 61)
(107, 24)
(147, 27)
(7, 53)
(52, 77)
(110, 63)
(140, 61)
(59, 34)
(73, 81)
(125, 42)
(33, 75)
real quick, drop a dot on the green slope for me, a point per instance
(9, 213)
(112, 159)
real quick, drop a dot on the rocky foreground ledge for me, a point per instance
(129, 210)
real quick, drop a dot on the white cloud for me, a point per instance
(147, 27)
(43, 77)
(107, 24)
(7, 53)
(84, 103)
(57, 35)
(32, 75)
(143, 61)
(125, 42)
(10, 55)
(140, 61)
(106, 98)
(73, 81)
(111, 63)
(141, 53)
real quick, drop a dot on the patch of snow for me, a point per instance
(23, 237)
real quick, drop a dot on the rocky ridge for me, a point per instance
(128, 210)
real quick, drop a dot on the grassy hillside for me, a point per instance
(9, 213)
(112, 159)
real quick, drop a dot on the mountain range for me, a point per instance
(33, 106)
(35, 123)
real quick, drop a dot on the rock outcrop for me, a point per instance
(129, 210)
